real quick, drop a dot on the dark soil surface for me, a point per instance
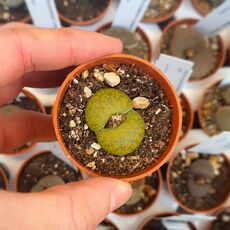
(78, 139)
(207, 189)
(212, 50)
(206, 6)
(148, 195)
(107, 224)
(222, 222)
(184, 118)
(43, 165)
(213, 100)
(159, 9)
(17, 14)
(81, 10)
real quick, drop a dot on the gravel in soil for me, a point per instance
(183, 42)
(81, 10)
(13, 14)
(81, 142)
(133, 43)
(144, 193)
(160, 9)
(206, 6)
(44, 165)
(222, 222)
(215, 110)
(199, 181)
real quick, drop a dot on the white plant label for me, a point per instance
(176, 69)
(214, 145)
(216, 21)
(43, 13)
(130, 13)
(225, 81)
(175, 225)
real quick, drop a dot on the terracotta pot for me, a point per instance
(84, 23)
(198, 8)
(190, 115)
(219, 211)
(155, 74)
(5, 178)
(138, 30)
(27, 160)
(152, 201)
(191, 21)
(152, 217)
(200, 115)
(189, 210)
(41, 107)
(166, 17)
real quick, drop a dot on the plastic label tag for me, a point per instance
(225, 81)
(130, 13)
(216, 21)
(176, 69)
(43, 13)
(214, 145)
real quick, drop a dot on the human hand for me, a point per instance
(36, 57)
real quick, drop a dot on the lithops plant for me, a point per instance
(126, 136)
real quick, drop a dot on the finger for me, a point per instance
(39, 79)
(81, 205)
(16, 128)
(36, 49)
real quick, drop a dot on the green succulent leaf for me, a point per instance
(124, 138)
(103, 105)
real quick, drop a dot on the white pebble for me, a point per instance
(140, 103)
(112, 79)
(88, 92)
(72, 124)
(95, 146)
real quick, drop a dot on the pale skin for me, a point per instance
(36, 57)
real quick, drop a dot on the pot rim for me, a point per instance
(87, 22)
(221, 55)
(27, 160)
(166, 87)
(189, 210)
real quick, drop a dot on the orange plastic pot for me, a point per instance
(138, 30)
(152, 201)
(5, 178)
(218, 212)
(198, 7)
(151, 71)
(41, 107)
(200, 114)
(192, 21)
(190, 116)
(22, 167)
(166, 17)
(84, 23)
(189, 210)
(152, 217)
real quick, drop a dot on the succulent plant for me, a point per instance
(125, 137)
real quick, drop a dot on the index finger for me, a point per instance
(26, 49)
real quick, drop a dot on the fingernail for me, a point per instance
(120, 195)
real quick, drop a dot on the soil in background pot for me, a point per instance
(106, 225)
(2, 180)
(222, 222)
(81, 10)
(13, 14)
(199, 181)
(144, 193)
(160, 9)
(148, 100)
(133, 42)
(206, 6)
(182, 41)
(215, 110)
(43, 171)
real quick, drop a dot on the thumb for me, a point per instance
(79, 205)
